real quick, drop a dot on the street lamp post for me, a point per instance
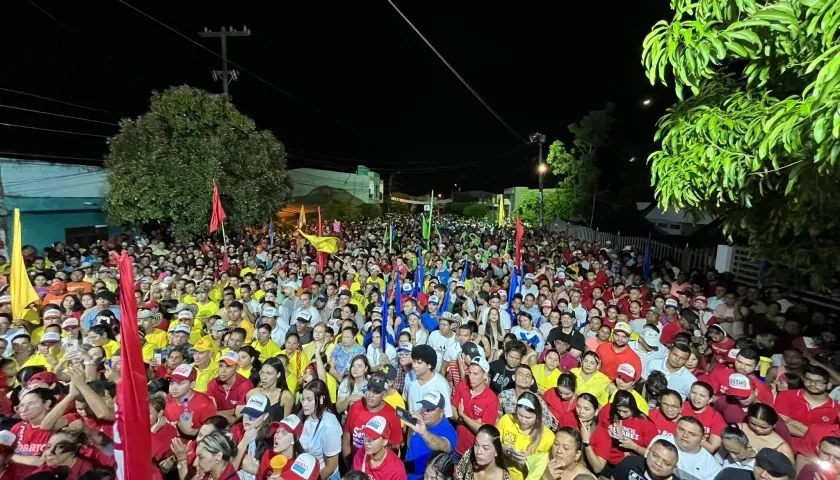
(539, 139)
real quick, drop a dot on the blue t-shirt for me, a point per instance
(418, 452)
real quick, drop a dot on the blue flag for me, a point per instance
(647, 260)
(271, 232)
(466, 269)
(514, 286)
(419, 274)
(397, 306)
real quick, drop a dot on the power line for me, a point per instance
(57, 115)
(62, 102)
(29, 127)
(452, 69)
(47, 14)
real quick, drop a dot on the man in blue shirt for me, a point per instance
(432, 433)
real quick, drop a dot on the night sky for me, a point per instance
(352, 82)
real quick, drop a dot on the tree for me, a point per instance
(370, 210)
(556, 205)
(343, 211)
(398, 207)
(757, 140)
(161, 166)
(476, 210)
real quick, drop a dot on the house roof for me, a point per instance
(656, 214)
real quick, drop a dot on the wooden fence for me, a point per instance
(687, 258)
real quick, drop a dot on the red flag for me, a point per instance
(133, 432)
(322, 256)
(225, 262)
(218, 211)
(520, 232)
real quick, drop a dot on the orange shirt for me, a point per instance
(610, 359)
(79, 288)
(54, 299)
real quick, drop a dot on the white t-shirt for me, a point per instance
(420, 337)
(414, 392)
(681, 380)
(375, 356)
(323, 442)
(451, 354)
(519, 332)
(441, 344)
(693, 466)
(504, 317)
(533, 290)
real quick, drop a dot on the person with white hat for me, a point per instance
(377, 459)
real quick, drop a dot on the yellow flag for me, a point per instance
(322, 244)
(302, 218)
(23, 293)
(501, 210)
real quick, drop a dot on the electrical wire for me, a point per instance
(62, 102)
(29, 127)
(240, 67)
(452, 69)
(57, 115)
(47, 14)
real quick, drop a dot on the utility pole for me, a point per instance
(539, 139)
(226, 75)
(391, 191)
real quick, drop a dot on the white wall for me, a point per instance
(28, 178)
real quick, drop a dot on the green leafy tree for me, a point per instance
(398, 207)
(161, 165)
(757, 140)
(370, 210)
(556, 205)
(343, 211)
(476, 210)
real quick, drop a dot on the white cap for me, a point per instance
(185, 314)
(50, 337)
(304, 315)
(182, 329)
(256, 405)
(529, 276)
(460, 284)
(651, 337)
(269, 312)
(481, 362)
(52, 312)
(143, 313)
(7, 438)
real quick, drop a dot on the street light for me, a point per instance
(647, 102)
(539, 139)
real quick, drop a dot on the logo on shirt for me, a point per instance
(477, 411)
(825, 419)
(628, 432)
(509, 438)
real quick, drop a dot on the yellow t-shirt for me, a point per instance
(110, 348)
(148, 352)
(246, 271)
(513, 437)
(309, 351)
(195, 330)
(396, 400)
(158, 339)
(258, 295)
(188, 299)
(249, 330)
(545, 382)
(597, 385)
(640, 401)
(245, 372)
(206, 311)
(270, 349)
(39, 360)
(202, 380)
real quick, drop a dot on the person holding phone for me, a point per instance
(431, 433)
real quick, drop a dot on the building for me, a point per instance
(514, 196)
(364, 185)
(670, 222)
(58, 202)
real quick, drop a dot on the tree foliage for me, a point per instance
(476, 210)
(758, 138)
(556, 205)
(370, 210)
(343, 211)
(161, 165)
(398, 207)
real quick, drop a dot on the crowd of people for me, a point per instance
(299, 365)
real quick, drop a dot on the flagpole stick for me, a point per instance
(224, 237)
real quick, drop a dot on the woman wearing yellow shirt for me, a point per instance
(249, 364)
(264, 344)
(102, 336)
(296, 362)
(546, 374)
(523, 434)
(589, 379)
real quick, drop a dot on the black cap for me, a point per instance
(389, 372)
(776, 463)
(345, 293)
(690, 316)
(470, 350)
(496, 296)
(377, 383)
(558, 335)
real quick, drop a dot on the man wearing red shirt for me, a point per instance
(473, 405)
(185, 407)
(745, 361)
(635, 295)
(362, 411)
(684, 323)
(615, 353)
(802, 409)
(229, 388)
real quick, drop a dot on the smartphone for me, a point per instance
(405, 416)
(71, 347)
(159, 356)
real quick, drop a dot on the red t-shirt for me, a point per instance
(199, 405)
(610, 359)
(792, 403)
(228, 399)
(162, 442)
(718, 378)
(392, 468)
(712, 421)
(810, 443)
(358, 416)
(557, 405)
(720, 351)
(31, 442)
(662, 424)
(483, 407)
(669, 333)
(79, 468)
(604, 441)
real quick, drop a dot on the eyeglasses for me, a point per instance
(814, 381)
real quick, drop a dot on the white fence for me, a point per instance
(687, 258)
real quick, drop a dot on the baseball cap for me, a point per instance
(739, 386)
(405, 347)
(304, 467)
(622, 327)
(377, 383)
(547, 304)
(52, 312)
(269, 312)
(432, 401)
(291, 424)
(42, 378)
(470, 349)
(627, 372)
(50, 338)
(700, 298)
(219, 326)
(151, 305)
(389, 372)
(304, 316)
(70, 323)
(775, 463)
(671, 303)
(185, 314)
(460, 284)
(256, 405)
(345, 293)
(434, 300)
(407, 287)
(205, 344)
(183, 372)
(655, 310)
(529, 276)
(376, 428)
(481, 362)
(651, 337)
(231, 358)
(7, 439)
(502, 292)
(181, 329)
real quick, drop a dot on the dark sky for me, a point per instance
(361, 86)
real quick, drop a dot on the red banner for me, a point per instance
(133, 434)
(520, 232)
(218, 211)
